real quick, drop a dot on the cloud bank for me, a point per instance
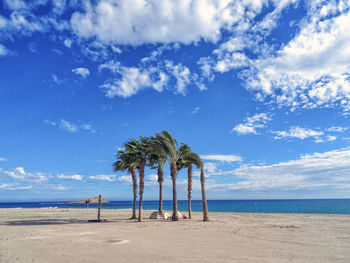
(318, 171)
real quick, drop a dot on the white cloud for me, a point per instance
(67, 42)
(23, 20)
(3, 186)
(337, 129)
(33, 47)
(151, 180)
(71, 126)
(13, 188)
(304, 133)
(19, 173)
(57, 51)
(244, 129)
(59, 6)
(77, 177)
(15, 4)
(312, 70)
(210, 168)
(104, 177)
(20, 187)
(84, 72)
(3, 160)
(230, 61)
(233, 44)
(68, 126)
(56, 79)
(270, 21)
(222, 157)
(298, 132)
(317, 171)
(3, 22)
(195, 110)
(24, 24)
(3, 50)
(57, 187)
(128, 81)
(132, 80)
(87, 127)
(182, 75)
(116, 49)
(137, 22)
(125, 179)
(252, 123)
(331, 138)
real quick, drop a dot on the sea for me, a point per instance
(309, 206)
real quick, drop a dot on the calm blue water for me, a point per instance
(312, 206)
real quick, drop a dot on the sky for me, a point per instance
(260, 89)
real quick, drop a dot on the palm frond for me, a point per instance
(168, 147)
(170, 138)
(193, 158)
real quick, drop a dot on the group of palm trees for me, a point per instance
(155, 152)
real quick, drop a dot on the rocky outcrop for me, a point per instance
(93, 200)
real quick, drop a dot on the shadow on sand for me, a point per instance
(49, 222)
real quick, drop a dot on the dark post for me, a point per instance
(99, 208)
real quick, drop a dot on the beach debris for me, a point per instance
(179, 215)
(159, 215)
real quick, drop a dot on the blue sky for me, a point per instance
(260, 89)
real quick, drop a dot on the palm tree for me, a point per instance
(204, 198)
(157, 159)
(169, 145)
(194, 158)
(140, 149)
(127, 161)
(183, 163)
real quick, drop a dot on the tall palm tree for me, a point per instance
(127, 161)
(204, 198)
(185, 163)
(157, 159)
(140, 149)
(191, 157)
(169, 145)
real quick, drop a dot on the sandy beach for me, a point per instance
(64, 235)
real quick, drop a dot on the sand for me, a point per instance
(64, 235)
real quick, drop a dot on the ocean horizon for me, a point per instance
(308, 206)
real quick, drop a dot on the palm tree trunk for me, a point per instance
(189, 189)
(142, 184)
(134, 185)
(173, 171)
(160, 181)
(204, 199)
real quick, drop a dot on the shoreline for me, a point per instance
(290, 206)
(169, 211)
